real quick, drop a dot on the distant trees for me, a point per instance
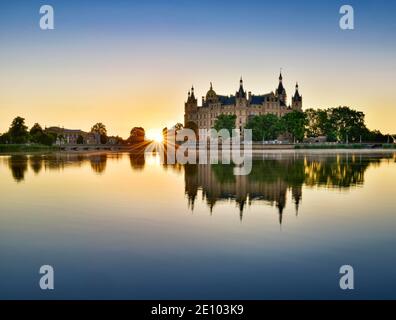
(36, 130)
(225, 121)
(341, 124)
(265, 127)
(5, 138)
(294, 124)
(100, 129)
(269, 126)
(18, 132)
(80, 139)
(38, 135)
(137, 135)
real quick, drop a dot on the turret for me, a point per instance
(297, 100)
(241, 93)
(281, 92)
(190, 107)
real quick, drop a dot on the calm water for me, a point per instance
(125, 226)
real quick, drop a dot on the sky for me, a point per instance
(132, 63)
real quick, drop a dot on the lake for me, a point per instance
(125, 226)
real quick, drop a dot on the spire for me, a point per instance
(211, 86)
(241, 92)
(281, 90)
(192, 92)
(297, 94)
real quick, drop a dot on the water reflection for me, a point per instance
(273, 178)
(137, 160)
(18, 165)
(98, 163)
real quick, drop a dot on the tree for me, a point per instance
(47, 139)
(80, 139)
(5, 138)
(36, 129)
(137, 135)
(294, 124)
(225, 121)
(35, 133)
(265, 127)
(18, 132)
(100, 128)
(348, 123)
(319, 123)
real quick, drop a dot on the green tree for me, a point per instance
(348, 124)
(225, 121)
(5, 138)
(36, 129)
(47, 139)
(18, 131)
(265, 127)
(319, 123)
(294, 123)
(35, 133)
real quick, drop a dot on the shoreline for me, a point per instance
(254, 151)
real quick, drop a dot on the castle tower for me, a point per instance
(190, 107)
(281, 92)
(297, 100)
(241, 93)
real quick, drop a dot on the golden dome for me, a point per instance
(211, 95)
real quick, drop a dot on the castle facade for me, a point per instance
(243, 104)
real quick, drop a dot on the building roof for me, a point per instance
(227, 100)
(260, 99)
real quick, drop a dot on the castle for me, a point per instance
(243, 105)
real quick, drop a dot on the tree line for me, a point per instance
(341, 124)
(19, 133)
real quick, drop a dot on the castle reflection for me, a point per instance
(274, 176)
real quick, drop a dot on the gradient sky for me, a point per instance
(129, 63)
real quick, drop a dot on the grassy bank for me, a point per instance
(7, 148)
(389, 146)
(345, 146)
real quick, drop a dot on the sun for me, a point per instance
(154, 135)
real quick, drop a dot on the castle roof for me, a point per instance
(260, 99)
(226, 100)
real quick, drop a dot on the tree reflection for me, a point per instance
(98, 163)
(18, 165)
(137, 160)
(36, 163)
(273, 178)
